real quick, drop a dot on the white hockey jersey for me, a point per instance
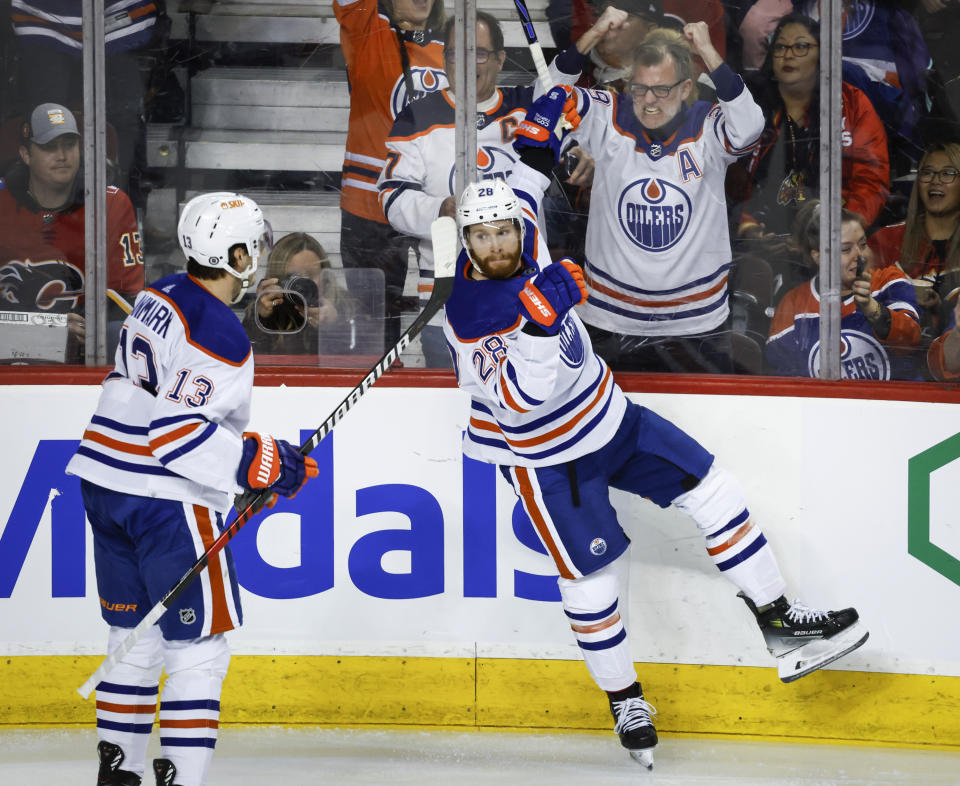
(657, 244)
(535, 400)
(170, 418)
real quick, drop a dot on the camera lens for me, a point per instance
(306, 288)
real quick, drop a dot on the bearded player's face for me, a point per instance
(495, 248)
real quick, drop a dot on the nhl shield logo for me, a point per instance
(598, 546)
(188, 616)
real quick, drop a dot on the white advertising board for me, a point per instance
(402, 547)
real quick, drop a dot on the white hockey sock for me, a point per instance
(190, 705)
(127, 702)
(735, 543)
(591, 604)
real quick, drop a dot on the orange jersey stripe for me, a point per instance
(507, 395)
(132, 709)
(563, 429)
(219, 615)
(598, 626)
(737, 536)
(159, 442)
(635, 301)
(116, 444)
(196, 723)
(526, 491)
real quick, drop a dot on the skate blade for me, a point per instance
(643, 756)
(817, 654)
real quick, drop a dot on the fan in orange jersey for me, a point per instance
(394, 54)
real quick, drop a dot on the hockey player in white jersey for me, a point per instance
(546, 409)
(160, 463)
(657, 243)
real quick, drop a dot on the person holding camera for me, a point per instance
(300, 308)
(879, 326)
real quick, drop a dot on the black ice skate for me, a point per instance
(165, 772)
(804, 639)
(634, 725)
(110, 774)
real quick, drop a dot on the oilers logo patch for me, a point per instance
(425, 80)
(861, 357)
(654, 213)
(571, 345)
(598, 546)
(492, 162)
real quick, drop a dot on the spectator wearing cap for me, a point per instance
(42, 248)
(49, 53)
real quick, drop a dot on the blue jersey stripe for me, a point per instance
(126, 466)
(749, 551)
(131, 728)
(160, 422)
(574, 439)
(512, 376)
(99, 420)
(129, 690)
(189, 742)
(605, 644)
(659, 316)
(191, 445)
(592, 616)
(696, 283)
(548, 419)
(735, 522)
(519, 452)
(190, 704)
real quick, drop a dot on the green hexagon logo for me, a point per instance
(919, 470)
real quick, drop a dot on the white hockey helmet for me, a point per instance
(211, 224)
(486, 201)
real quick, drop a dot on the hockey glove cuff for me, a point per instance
(548, 121)
(546, 298)
(273, 463)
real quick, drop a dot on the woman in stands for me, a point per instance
(394, 55)
(878, 327)
(927, 244)
(783, 173)
(300, 307)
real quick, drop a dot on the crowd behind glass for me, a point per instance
(340, 303)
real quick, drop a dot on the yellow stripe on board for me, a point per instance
(862, 707)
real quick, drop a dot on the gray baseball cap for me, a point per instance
(49, 121)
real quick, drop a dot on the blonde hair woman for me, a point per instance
(298, 294)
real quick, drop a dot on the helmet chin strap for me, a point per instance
(245, 276)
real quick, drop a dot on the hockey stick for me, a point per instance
(536, 51)
(443, 233)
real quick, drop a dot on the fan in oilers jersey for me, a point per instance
(657, 244)
(546, 409)
(417, 184)
(879, 324)
(159, 463)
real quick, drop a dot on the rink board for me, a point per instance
(363, 580)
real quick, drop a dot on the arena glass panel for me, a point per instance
(260, 103)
